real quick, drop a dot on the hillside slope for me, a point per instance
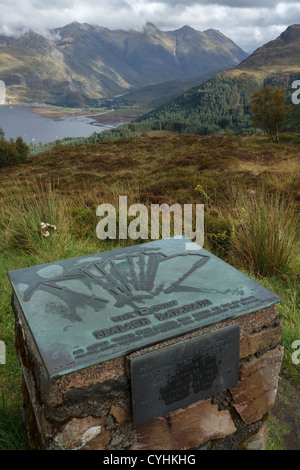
(222, 103)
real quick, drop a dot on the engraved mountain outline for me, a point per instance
(126, 277)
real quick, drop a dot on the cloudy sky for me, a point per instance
(250, 23)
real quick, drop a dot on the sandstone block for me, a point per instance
(120, 414)
(78, 432)
(265, 338)
(256, 391)
(185, 428)
(259, 440)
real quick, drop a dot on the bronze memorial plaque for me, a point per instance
(178, 375)
(87, 310)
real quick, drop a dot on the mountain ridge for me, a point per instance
(79, 63)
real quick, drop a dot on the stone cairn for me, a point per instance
(91, 408)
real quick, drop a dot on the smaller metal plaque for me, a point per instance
(176, 376)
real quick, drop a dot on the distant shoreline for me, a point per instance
(106, 117)
(102, 116)
(50, 113)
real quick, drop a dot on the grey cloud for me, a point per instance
(226, 3)
(249, 23)
(85, 4)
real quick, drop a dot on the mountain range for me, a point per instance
(79, 63)
(221, 104)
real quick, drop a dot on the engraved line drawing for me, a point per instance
(127, 277)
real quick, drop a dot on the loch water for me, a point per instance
(33, 127)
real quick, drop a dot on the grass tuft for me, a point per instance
(13, 435)
(266, 233)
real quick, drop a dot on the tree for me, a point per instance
(22, 149)
(270, 110)
(8, 153)
(12, 152)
